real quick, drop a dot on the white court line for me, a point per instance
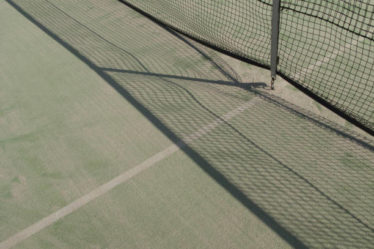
(125, 176)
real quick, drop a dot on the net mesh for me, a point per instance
(308, 174)
(324, 46)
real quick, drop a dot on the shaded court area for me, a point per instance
(93, 89)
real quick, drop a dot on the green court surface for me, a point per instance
(118, 133)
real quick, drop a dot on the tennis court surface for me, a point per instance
(118, 133)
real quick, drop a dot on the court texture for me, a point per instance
(116, 132)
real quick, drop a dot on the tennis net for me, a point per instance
(326, 47)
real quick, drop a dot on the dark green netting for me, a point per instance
(325, 46)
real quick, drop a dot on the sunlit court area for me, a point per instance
(180, 124)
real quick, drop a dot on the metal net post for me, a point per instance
(274, 41)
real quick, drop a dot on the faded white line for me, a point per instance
(101, 190)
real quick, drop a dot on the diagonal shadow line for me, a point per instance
(234, 82)
(206, 166)
(363, 141)
(251, 87)
(101, 37)
(196, 157)
(177, 33)
(237, 131)
(354, 120)
(220, 82)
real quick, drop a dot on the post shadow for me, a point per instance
(194, 155)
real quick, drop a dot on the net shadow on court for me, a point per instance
(324, 47)
(305, 177)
